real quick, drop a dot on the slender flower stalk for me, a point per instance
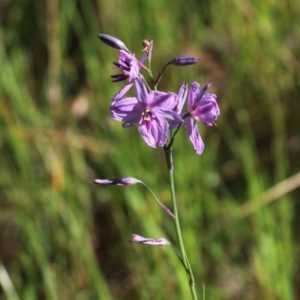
(169, 160)
(130, 181)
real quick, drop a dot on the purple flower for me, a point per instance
(129, 65)
(201, 107)
(149, 111)
(131, 71)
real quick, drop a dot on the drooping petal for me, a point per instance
(161, 100)
(155, 132)
(193, 133)
(119, 110)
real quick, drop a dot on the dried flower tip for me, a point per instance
(112, 41)
(184, 60)
(139, 239)
(146, 45)
(118, 181)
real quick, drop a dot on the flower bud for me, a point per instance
(184, 60)
(148, 241)
(118, 181)
(112, 41)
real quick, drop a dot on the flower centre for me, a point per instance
(146, 114)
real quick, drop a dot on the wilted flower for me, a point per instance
(129, 65)
(148, 47)
(201, 107)
(148, 241)
(149, 111)
(118, 181)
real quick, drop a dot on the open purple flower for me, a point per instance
(149, 111)
(201, 107)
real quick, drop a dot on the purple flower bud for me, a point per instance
(118, 181)
(184, 60)
(139, 239)
(112, 42)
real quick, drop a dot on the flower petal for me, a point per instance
(141, 90)
(180, 99)
(120, 94)
(208, 110)
(161, 100)
(201, 94)
(193, 133)
(168, 114)
(121, 109)
(155, 132)
(194, 91)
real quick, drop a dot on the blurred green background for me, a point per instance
(62, 237)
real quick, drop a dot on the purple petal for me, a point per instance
(118, 77)
(168, 114)
(119, 110)
(120, 94)
(155, 132)
(201, 94)
(195, 138)
(141, 90)
(132, 119)
(134, 70)
(194, 91)
(208, 110)
(161, 100)
(180, 99)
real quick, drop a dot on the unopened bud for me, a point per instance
(112, 42)
(148, 241)
(118, 181)
(184, 60)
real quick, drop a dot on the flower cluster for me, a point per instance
(155, 112)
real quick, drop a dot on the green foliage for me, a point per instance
(62, 237)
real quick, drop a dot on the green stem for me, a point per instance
(184, 259)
